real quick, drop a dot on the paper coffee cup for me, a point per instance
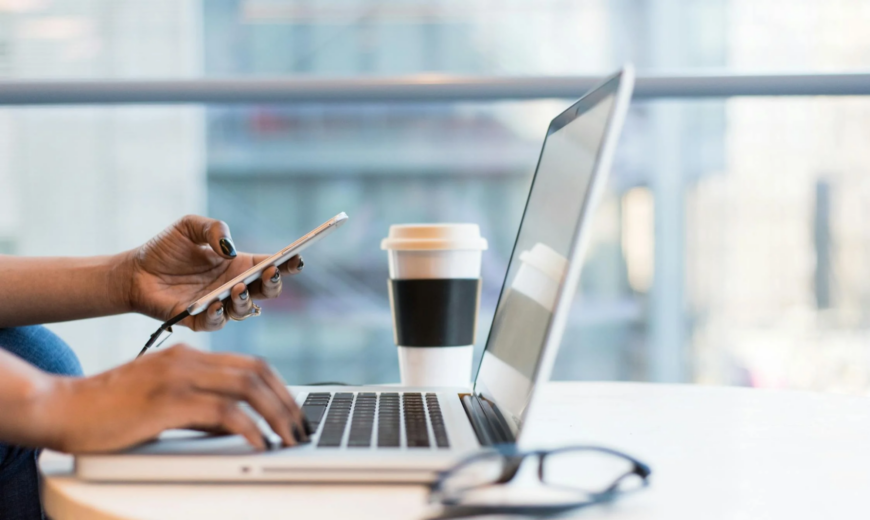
(434, 297)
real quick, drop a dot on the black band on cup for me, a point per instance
(434, 312)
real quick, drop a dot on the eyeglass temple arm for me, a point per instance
(510, 469)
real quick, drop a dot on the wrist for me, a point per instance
(69, 419)
(120, 281)
(46, 411)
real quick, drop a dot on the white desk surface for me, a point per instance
(715, 453)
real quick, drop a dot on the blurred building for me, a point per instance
(778, 242)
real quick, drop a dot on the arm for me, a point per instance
(174, 388)
(44, 290)
(187, 260)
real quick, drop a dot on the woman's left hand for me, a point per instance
(188, 260)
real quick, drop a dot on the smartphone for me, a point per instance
(278, 258)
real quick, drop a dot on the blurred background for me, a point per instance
(732, 247)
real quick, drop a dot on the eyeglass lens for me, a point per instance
(589, 471)
(567, 476)
(478, 472)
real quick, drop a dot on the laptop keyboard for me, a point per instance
(380, 418)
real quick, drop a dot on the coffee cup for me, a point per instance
(434, 290)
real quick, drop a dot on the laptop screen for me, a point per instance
(539, 262)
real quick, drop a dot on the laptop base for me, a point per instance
(183, 456)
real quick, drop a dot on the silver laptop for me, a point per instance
(405, 434)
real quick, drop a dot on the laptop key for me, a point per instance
(437, 420)
(363, 421)
(313, 413)
(313, 407)
(415, 421)
(388, 421)
(336, 421)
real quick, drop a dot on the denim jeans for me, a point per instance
(19, 476)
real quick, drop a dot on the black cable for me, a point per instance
(158, 334)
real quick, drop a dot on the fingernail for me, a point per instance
(244, 295)
(276, 276)
(228, 248)
(301, 265)
(220, 312)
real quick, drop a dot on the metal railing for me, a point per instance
(422, 88)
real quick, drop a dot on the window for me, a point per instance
(729, 250)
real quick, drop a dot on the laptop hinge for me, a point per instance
(487, 421)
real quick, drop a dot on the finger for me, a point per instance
(279, 386)
(246, 385)
(270, 283)
(242, 303)
(215, 233)
(234, 420)
(214, 318)
(272, 379)
(264, 287)
(217, 432)
(214, 412)
(292, 266)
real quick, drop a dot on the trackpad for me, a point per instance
(189, 442)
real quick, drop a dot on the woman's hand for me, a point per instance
(177, 387)
(188, 260)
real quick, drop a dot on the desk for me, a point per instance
(715, 453)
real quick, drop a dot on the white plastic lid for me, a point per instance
(428, 237)
(544, 259)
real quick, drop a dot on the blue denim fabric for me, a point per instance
(19, 476)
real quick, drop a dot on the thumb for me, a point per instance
(215, 233)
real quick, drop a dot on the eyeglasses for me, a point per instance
(572, 477)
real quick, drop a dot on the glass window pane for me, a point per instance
(276, 172)
(730, 248)
(99, 181)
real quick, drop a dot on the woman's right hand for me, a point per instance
(178, 387)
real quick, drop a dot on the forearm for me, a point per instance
(45, 290)
(25, 394)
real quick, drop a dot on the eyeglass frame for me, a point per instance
(513, 459)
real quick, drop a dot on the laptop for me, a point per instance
(407, 434)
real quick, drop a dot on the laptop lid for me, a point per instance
(544, 268)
